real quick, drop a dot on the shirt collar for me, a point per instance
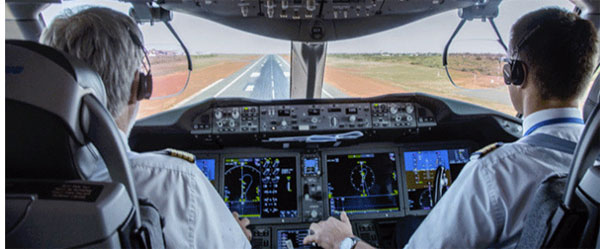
(547, 114)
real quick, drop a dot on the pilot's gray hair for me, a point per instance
(103, 38)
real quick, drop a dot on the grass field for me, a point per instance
(424, 73)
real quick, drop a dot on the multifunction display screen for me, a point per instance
(421, 166)
(207, 166)
(261, 187)
(362, 183)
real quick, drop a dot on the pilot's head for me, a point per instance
(104, 39)
(557, 54)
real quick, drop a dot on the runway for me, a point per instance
(266, 78)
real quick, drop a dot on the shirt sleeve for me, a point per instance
(195, 215)
(216, 226)
(467, 216)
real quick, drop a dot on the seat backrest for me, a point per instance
(565, 209)
(55, 106)
(43, 94)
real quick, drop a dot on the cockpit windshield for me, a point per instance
(232, 63)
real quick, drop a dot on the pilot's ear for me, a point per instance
(134, 89)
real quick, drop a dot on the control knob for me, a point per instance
(314, 120)
(283, 123)
(334, 122)
(409, 108)
(218, 114)
(235, 114)
(352, 118)
(393, 109)
(314, 214)
(231, 123)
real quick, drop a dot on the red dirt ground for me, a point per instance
(199, 79)
(357, 86)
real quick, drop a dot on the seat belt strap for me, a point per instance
(551, 142)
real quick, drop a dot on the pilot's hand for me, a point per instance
(243, 224)
(330, 233)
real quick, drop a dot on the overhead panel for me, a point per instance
(315, 20)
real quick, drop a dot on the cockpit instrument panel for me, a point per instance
(421, 167)
(261, 187)
(270, 119)
(364, 183)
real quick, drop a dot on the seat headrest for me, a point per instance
(54, 81)
(592, 99)
(81, 73)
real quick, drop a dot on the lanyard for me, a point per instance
(553, 121)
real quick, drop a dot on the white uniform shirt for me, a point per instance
(195, 215)
(487, 204)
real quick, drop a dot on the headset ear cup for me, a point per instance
(149, 85)
(517, 73)
(506, 72)
(142, 87)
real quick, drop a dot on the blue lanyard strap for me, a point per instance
(553, 121)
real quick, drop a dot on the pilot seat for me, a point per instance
(55, 112)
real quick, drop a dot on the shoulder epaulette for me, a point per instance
(181, 154)
(485, 150)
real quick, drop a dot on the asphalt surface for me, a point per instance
(266, 78)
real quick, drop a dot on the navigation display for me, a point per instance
(420, 169)
(362, 183)
(261, 187)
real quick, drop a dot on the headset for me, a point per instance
(144, 90)
(514, 69)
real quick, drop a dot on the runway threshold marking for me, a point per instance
(249, 88)
(237, 78)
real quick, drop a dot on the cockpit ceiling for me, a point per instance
(316, 20)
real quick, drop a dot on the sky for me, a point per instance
(202, 36)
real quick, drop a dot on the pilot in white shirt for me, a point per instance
(111, 43)
(552, 56)
(199, 218)
(480, 207)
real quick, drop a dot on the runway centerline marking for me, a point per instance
(237, 78)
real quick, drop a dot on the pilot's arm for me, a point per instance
(195, 215)
(467, 216)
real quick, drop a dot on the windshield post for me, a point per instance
(24, 21)
(307, 69)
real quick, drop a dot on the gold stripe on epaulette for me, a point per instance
(485, 150)
(181, 154)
